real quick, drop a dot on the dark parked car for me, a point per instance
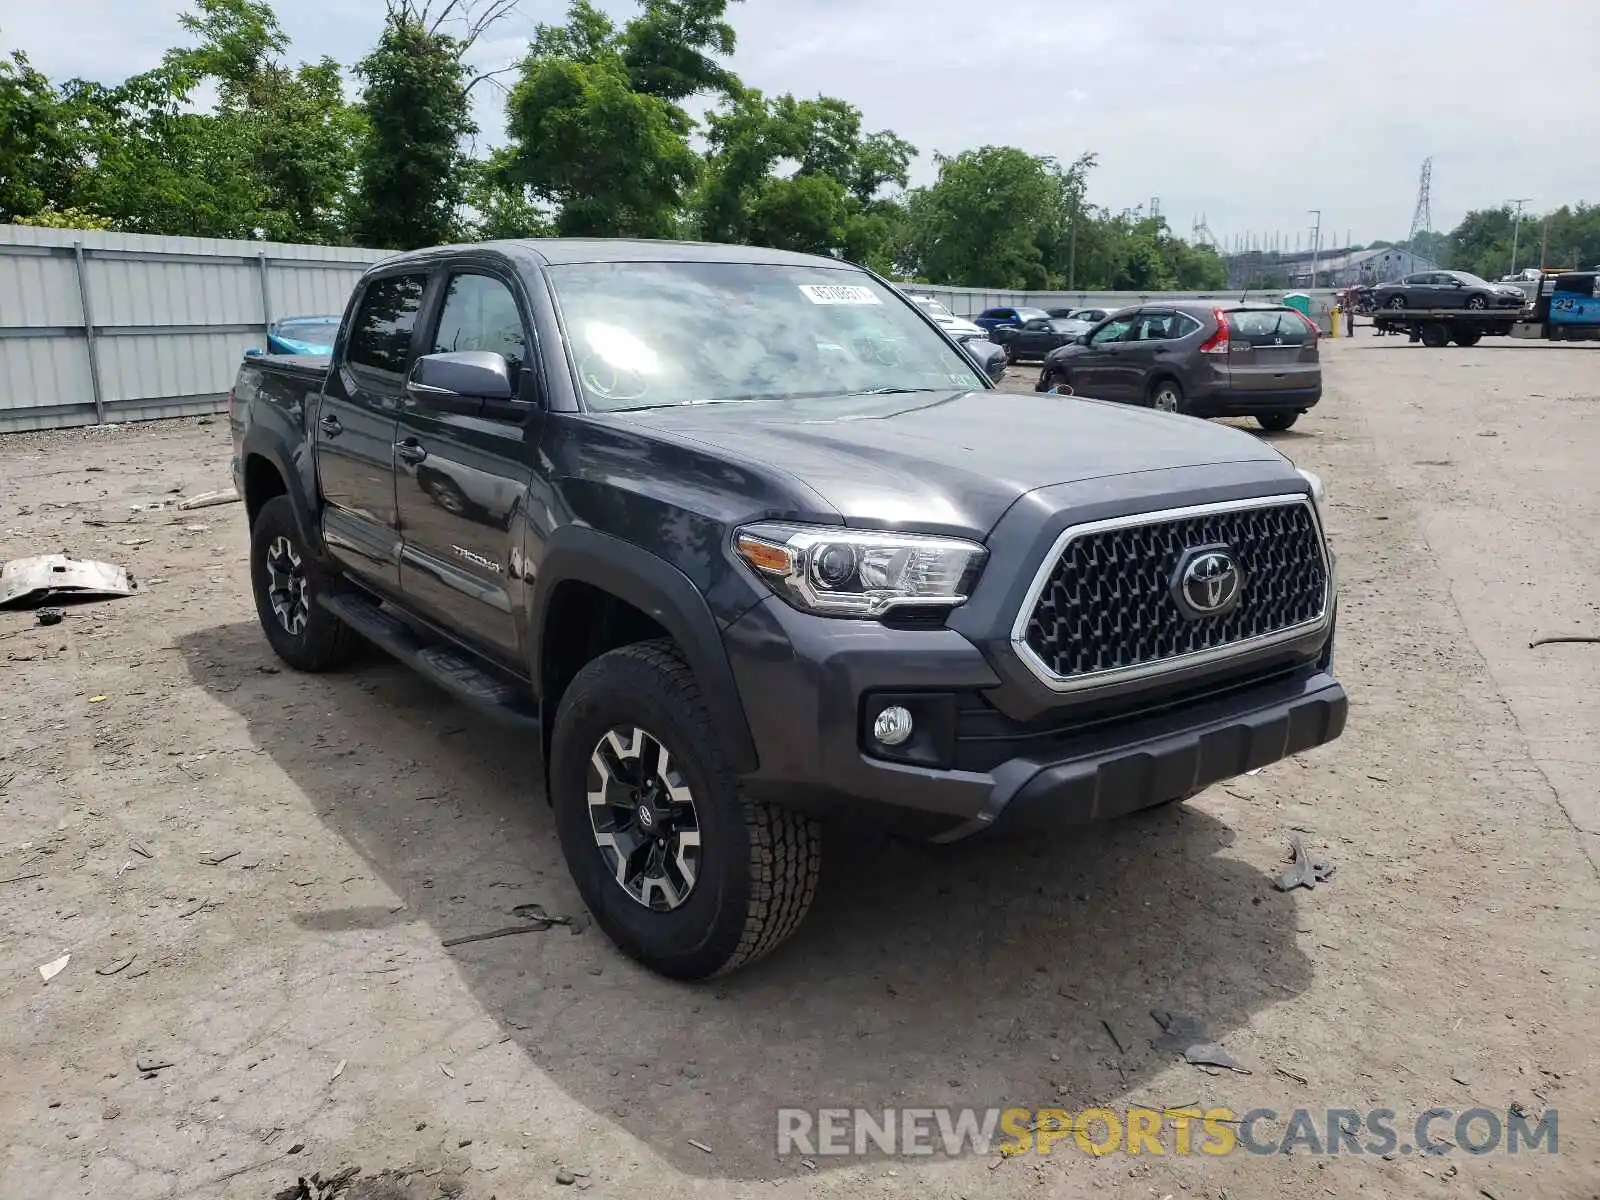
(1092, 316)
(1448, 289)
(1197, 358)
(733, 539)
(1036, 338)
(992, 319)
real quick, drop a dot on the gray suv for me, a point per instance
(1199, 358)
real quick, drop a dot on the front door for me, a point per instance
(353, 429)
(1144, 349)
(462, 481)
(1094, 368)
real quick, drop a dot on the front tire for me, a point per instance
(1396, 304)
(1477, 303)
(1276, 422)
(683, 873)
(287, 580)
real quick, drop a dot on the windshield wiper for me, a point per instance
(893, 391)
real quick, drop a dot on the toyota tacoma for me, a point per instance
(738, 539)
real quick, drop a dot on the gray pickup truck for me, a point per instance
(737, 539)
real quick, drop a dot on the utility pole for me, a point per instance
(1516, 227)
(1072, 258)
(1316, 242)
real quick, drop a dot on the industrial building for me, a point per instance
(1333, 268)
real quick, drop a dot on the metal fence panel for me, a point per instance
(98, 326)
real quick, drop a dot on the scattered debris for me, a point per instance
(1287, 1074)
(339, 1070)
(1115, 1041)
(217, 858)
(122, 964)
(318, 1188)
(1209, 1054)
(534, 913)
(205, 902)
(49, 616)
(20, 878)
(297, 1147)
(28, 581)
(50, 970)
(149, 1064)
(700, 1146)
(209, 499)
(565, 1177)
(110, 1113)
(1586, 639)
(97, 699)
(141, 849)
(1307, 871)
(449, 1074)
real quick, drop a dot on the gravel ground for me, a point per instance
(313, 1016)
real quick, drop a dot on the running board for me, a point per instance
(442, 665)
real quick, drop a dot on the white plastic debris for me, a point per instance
(33, 580)
(51, 969)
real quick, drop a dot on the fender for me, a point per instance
(657, 588)
(294, 464)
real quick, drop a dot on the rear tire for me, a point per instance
(1276, 422)
(287, 580)
(1011, 354)
(1435, 335)
(1468, 339)
(1477, 303)
(1166, 395)
(1396, 303)
(753, 868)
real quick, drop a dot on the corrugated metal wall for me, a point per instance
(167, 318)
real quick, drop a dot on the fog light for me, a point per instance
(892, 726)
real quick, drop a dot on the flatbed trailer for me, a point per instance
(1566, 308)
(1441, 326)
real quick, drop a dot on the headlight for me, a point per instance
(838, 572)
(1319, 494)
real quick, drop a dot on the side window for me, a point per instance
(480, 313)
(1037, 324)
(1183, 325)
(1153, 327)
(992, 313)
(380, 338)
(1111, 331)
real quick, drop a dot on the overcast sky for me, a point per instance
(1249, 113)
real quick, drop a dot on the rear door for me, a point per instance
(353, 433)
(462, 480)
(1271, 350)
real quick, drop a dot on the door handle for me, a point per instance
(410, 451)
(330, 425)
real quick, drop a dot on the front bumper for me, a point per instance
(810, 686)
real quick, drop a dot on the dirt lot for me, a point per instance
(312, 1015)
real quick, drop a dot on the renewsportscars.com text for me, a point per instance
(914, 1132)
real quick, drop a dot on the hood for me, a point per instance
(959, 325)
(949, 462)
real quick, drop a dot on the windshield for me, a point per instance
(319, 331)
(654, 334)
(1089, 314)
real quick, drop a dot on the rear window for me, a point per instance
(1269, 327)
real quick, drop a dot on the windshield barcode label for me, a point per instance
(838, 293)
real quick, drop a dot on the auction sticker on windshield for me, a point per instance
(838, 293)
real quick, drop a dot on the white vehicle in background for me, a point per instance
(957, 327)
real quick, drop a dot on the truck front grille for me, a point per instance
(1103, 607)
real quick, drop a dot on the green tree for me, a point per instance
(990, 220)
(413, 170)
(39, 157)
(596, 127)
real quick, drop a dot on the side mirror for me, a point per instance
(463, 381)
(253, 352)
(1081, 340)
(991, 359)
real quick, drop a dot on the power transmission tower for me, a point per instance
(1422, 219)
(1316, 243)
(1516, 228)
